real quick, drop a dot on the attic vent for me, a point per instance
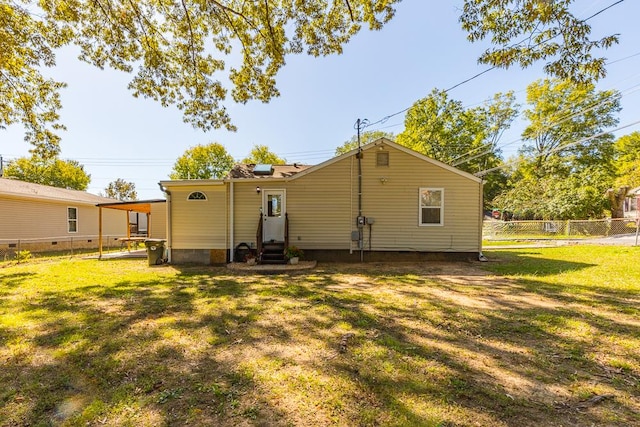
(263, 170)
(382, 158)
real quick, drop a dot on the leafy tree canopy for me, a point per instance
(209, 161)
(365, 138)
(121, 190)
(627, 155)
(260, 154)
(526, 31)
(55, 172)
(177, 50)
(566, 166)
(441, 128)
(562, 115)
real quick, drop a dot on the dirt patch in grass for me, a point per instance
(437, 344)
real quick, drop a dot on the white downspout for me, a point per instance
(169, 227)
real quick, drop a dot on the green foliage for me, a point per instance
(209, 161)
(577, 196)
(177, 50)
(28, 98)
(293, 252)
(561, 114)
(526, 31)
(627, 157)
(365, 138)
(260, 154)
(23, 256)
(441, 128)
(561, 174)
(121, 190)
(55, 172)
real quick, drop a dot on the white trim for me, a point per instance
(439, 224)
(283, 208)
(189, 199)
(76, 219)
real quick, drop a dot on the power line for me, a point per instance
(556, 149)
(385, 118)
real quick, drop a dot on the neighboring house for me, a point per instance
(40, 218)
(631, 203)
(391, 201)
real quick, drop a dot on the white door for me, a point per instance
(273, 209)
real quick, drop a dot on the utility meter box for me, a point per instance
(370, 220)
(361, 221)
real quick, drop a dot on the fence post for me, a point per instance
(568, 227)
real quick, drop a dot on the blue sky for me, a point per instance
(380, 73)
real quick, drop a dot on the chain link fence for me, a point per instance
(67, 245)
(572, 229)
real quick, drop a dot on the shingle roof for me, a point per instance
(279, 171)
(13, 187)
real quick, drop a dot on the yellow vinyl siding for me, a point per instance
(394, 205)
(158, 221)
(247, 204)
(319, 206)
(35, 219)
(199, 224)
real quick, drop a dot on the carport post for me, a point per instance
(99, 232)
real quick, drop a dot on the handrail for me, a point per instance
(286, 231)
(259, 236)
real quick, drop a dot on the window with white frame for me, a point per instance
(197, 195)
(72, 220)
(431, 206)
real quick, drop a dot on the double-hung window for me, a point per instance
(72, 220)
(431, 206)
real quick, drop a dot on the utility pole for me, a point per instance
(360, 124)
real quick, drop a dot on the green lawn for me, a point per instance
(534, 337)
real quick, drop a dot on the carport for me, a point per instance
(139, 206)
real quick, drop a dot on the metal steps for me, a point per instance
(273, 253)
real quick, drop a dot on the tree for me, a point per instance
(467, 138)
(627, 160)
(260, 154)
(566, 165)
(177, 49)
(365, 138)
(526, 31)
(561, 115)
(209, 161)
(121, 190)
(55, 172)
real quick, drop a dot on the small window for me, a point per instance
(197, 195)
(431, 206)
(382, 158)
(72, 220)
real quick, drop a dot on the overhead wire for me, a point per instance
(387, 117)
(556, 149)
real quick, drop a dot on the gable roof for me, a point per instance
(279, 171)
(29, 190)
(290, 172)
(384, 141)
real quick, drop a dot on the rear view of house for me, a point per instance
(381, 202)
